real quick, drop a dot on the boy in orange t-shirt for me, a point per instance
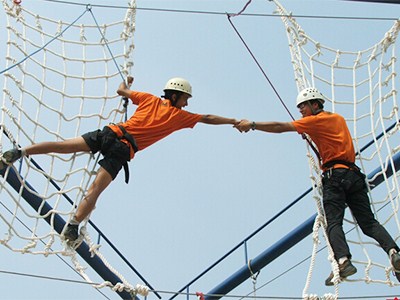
(154, 119)
(343, 183)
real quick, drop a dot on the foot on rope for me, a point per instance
(346, 269)
(10, 157)
(395, 262)
(71, 232)
(397, 275)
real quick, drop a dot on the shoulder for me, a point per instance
(331, 115)
(139, 94)
(138, 97)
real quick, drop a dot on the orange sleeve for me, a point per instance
(331, 135)
(138, 97)
(307, 125)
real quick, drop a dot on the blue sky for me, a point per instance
(196, 194)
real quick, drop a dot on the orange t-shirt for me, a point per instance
(330, 134)
(154, 119)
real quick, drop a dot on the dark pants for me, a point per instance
(341, 187)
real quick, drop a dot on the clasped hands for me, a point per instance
(243, 125)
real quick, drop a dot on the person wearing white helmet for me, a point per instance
(153, 119)
(343, 183)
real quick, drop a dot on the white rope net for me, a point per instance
(60, 80)
(361, 86)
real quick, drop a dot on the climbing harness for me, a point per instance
(132, 142)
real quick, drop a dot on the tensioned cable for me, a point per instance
(45, 45)
(379, 136)
(243, 242)
(244, 14)
(180, 291)
(97, 229)
(113, 58)
(191, 294)
(88, 9)
(302, 196)
(222, 13)
(258, 64)
(308, 257)
(62, 259)
(51, 278)
(267, 78)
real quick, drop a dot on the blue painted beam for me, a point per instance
(389, 171)
(43, 208)
(284, 244)
(262, 260)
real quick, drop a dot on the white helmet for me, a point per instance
(179, 84)
(309, 94)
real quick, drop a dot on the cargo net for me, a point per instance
(59, 80)
(361, 86)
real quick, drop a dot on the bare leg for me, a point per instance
(100, 183)
(77, 144)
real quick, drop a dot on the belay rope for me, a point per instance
(304, 136)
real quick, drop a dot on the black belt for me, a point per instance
(131, 140)
(332, 163)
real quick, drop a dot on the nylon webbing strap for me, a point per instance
(131, 141)
(331, 163)
(129, 138)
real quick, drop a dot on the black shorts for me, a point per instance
(115, 152)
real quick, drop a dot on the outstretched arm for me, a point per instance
(217, 120)
(123, 89)
(274, 127)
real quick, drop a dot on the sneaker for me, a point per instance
(346, 269)
(395, 261)
(397, 275)
(71, 232)
(12, 155)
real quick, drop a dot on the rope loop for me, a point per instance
(253, 277)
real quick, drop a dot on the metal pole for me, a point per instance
(284, 244)
(262, 260)
(58, 222)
